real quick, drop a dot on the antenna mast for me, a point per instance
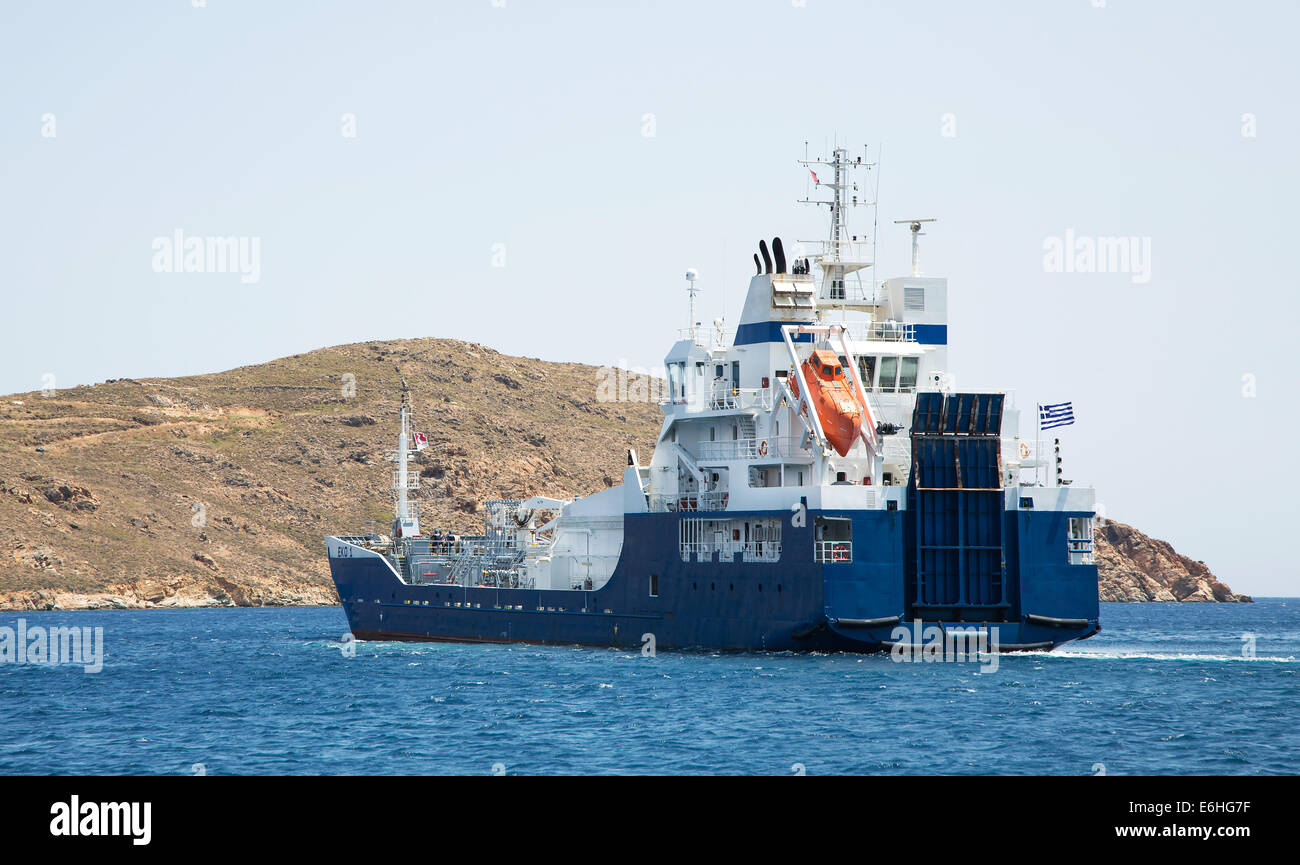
(691, 275)
(916, 243)
(842, 253)
(404, 518)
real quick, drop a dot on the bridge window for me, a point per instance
(676, 381)
(888, 373)
(867, 370)
(907, 375)
(654, 585)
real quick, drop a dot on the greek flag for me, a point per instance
(1057, 414)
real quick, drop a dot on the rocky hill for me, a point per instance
(1134, 567)
(218, 489)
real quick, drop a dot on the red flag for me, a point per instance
(814, 174)
(421, 441)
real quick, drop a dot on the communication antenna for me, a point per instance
(915, 225)
(875, 221)
(842, 253)
(691, 276)
(406, 391)
(401, 477)
(844, 194)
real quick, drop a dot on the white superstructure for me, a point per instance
(739, 441)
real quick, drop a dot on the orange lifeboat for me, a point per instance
(833, 399)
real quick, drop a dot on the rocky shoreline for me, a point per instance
(174, 594)
(1136, 568)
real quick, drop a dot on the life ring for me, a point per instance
(1024, 450)
(762, 448)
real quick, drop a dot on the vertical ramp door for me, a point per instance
(957, 505)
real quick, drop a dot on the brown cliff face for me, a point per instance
(1134, 567)
(218, 490)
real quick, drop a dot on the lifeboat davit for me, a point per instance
(832, 397)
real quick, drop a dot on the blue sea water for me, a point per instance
(1165, 688)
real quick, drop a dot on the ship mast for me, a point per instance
(403, 455)
(842, 253)
(405, 517)
(691, 275)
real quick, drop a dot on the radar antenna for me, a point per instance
(916, 244)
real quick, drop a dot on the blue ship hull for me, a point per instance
(1037, 599)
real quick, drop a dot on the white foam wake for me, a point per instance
(1144, 655)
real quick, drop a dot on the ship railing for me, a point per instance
(883, 331)
(412, 480)
(856, 296)
(706, 337)
(369, 542)
(897, 449)
(751, 551)
(753, 449)
(724, 395)
(687, 502)
(1081, 552)
(833, 551)
(697, 549)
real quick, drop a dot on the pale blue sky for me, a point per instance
(522, 125)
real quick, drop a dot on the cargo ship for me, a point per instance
(818, 484)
